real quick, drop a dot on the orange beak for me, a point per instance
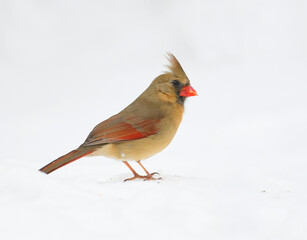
(188, 91)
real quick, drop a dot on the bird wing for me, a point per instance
(119, 128)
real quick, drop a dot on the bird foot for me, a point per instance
(145, 178)
(150, 177)
(154, 173)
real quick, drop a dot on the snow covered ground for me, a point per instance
(237, 166)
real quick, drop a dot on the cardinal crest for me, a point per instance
(175, 66)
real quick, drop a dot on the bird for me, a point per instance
(141, 130)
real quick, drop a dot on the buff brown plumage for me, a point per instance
(142, 129)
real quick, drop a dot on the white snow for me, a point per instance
(236, 168)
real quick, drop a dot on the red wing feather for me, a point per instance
(118, 128)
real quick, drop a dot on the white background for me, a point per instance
(236, 168)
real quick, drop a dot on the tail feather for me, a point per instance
(66, 159)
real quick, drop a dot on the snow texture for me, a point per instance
(236, 168)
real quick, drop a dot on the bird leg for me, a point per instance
(149, 175)
(136, 175)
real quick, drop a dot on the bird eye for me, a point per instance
(175, 83)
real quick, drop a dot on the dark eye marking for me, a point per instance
(176, 83)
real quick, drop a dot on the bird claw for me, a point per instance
(132, 178)
(150, 177)
(154, 173)
(145, 178)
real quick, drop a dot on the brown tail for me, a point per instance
(68, 158)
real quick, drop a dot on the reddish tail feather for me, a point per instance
(66, 159)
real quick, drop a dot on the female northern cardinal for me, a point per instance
(142, 129)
